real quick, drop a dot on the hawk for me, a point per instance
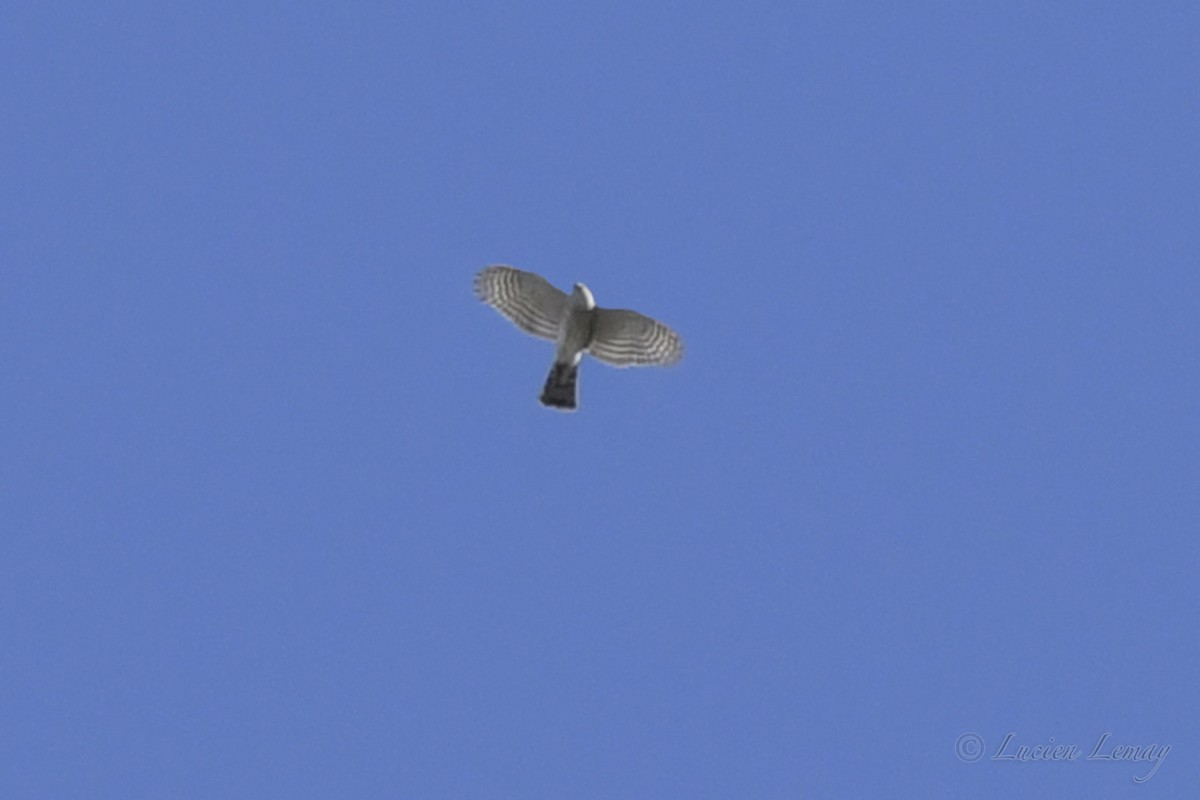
(577, 325)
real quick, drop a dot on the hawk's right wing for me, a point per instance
(528, 300)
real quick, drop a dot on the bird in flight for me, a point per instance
(577, 325)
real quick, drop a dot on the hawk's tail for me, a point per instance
(560, 390)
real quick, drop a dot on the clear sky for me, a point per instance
(282, 516)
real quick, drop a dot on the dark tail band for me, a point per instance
(560, 390)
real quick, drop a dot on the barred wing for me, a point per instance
(528, 300)
(627, 338)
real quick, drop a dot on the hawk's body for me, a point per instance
(577, 325)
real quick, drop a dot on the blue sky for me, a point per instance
(282, 516)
